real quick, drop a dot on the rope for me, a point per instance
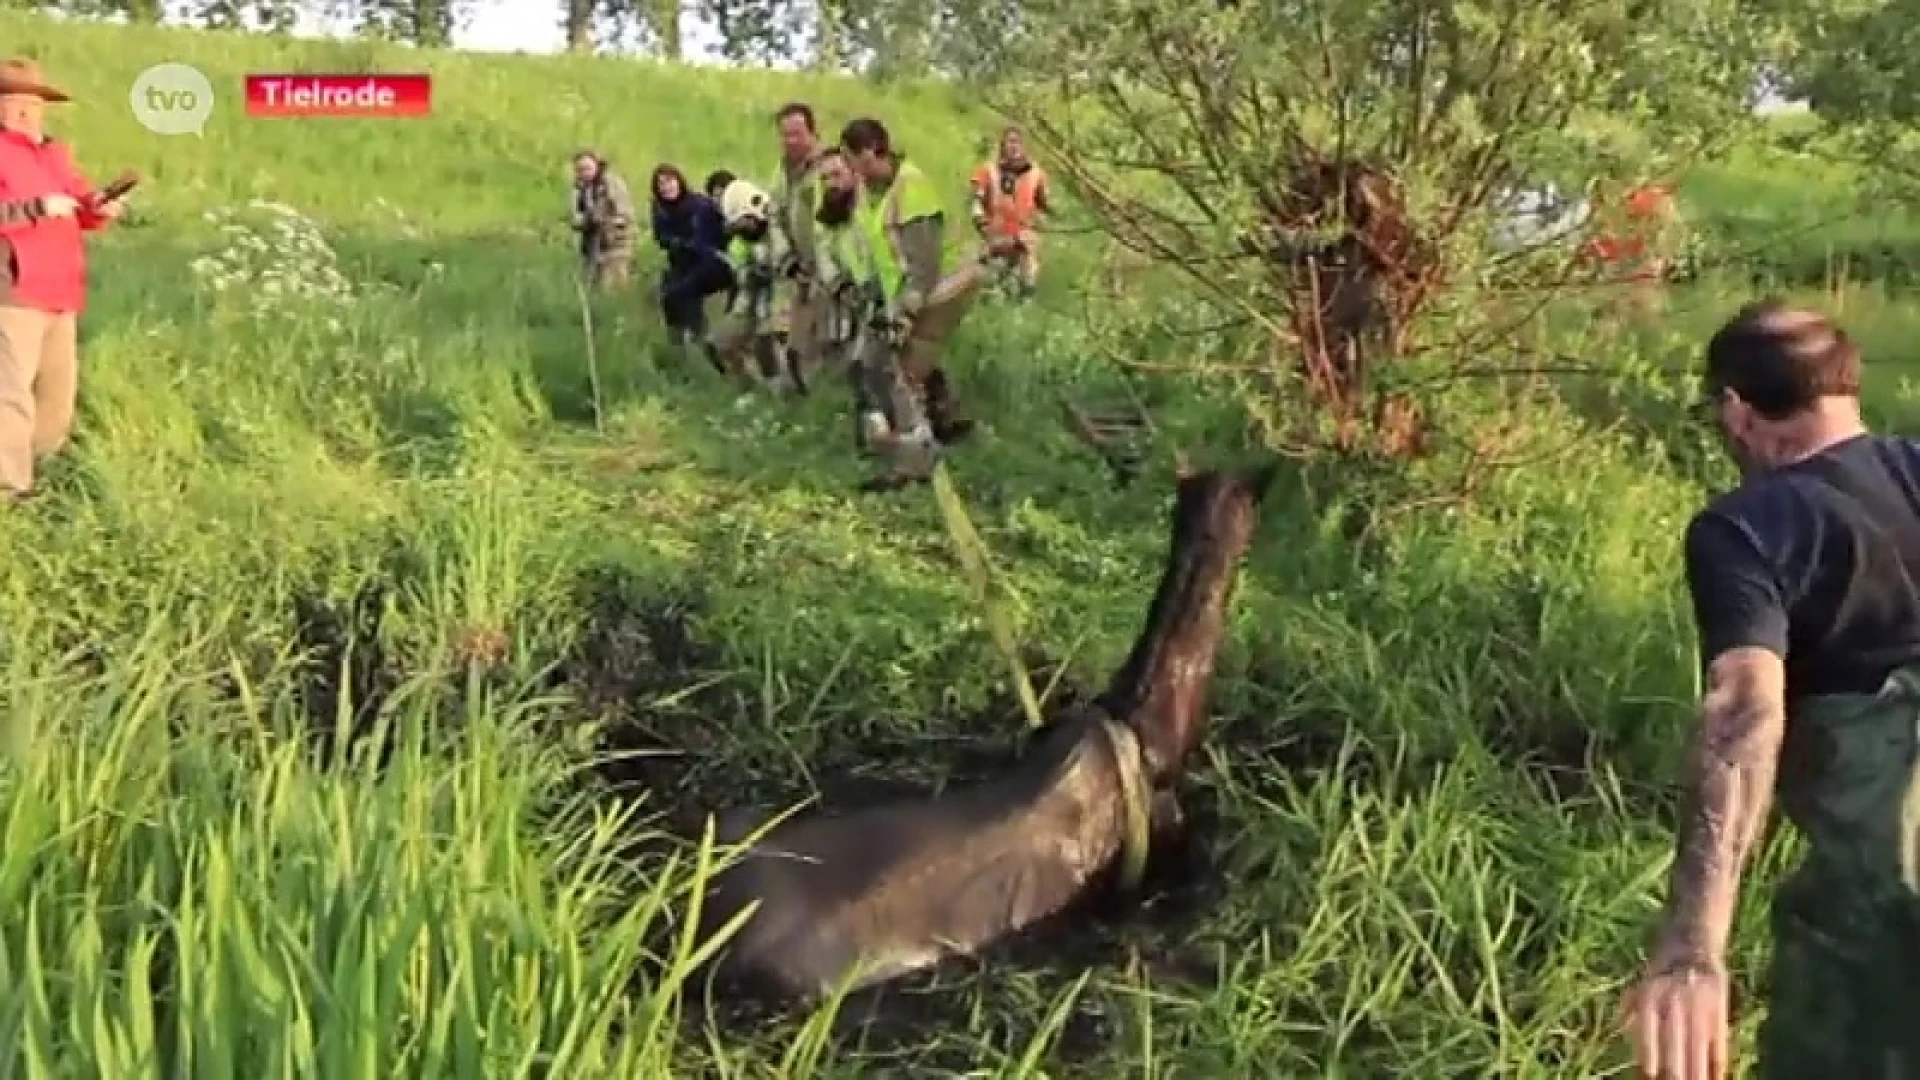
(1128, 760)
(972, 552)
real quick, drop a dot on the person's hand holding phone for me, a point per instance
(108, 203)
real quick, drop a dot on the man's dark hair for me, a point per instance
(800, 109)
(1782, 359)
(866, 133)
(717, 182)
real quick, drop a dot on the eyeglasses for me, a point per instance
(1706, 407)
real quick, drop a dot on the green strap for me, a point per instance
(1136, 795)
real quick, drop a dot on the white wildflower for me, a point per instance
(279, 261)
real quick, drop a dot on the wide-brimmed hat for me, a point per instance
(20, 75)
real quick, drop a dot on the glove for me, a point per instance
(849, 294)
(793, 269)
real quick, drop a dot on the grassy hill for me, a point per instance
(363, 482)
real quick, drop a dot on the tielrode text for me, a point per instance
(339, 95)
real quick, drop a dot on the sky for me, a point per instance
(527, 26)
(506, 26)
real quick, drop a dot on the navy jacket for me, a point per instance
(689, 230)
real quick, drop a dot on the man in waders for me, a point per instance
(1804, 591)
(1009, 195)
(905, 225)
(795, 196)
(750, 340)
(603, 216)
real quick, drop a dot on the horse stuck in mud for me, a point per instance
(859, 898)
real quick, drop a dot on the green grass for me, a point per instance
(1442, 758)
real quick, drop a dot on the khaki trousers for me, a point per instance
(39, 385)
(939, 317)
(610, 272)
(1027, 267)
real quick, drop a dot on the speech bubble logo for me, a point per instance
(172, 99)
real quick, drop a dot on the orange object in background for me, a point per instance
(1009, 212)
(1627, 228)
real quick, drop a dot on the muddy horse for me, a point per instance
(859, 898)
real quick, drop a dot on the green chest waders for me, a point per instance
(1845, 993)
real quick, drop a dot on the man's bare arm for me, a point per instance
(1742, 725)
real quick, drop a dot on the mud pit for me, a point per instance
(679, 717)
(1010, 877)
(643, 668)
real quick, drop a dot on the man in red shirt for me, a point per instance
(45, 207)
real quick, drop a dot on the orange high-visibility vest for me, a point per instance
(1009, 213)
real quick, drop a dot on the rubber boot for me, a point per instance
(771, 372)
(943, 412)
(797, 373)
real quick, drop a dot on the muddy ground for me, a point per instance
(633, 667)
(639, 654)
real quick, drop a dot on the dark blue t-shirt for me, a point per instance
(1817, 562)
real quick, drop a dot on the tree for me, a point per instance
(266, 16)
(1855, 63)
(426, 23)
(1326, 172)
(762, 32)
(576, 22)
(662, 19)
